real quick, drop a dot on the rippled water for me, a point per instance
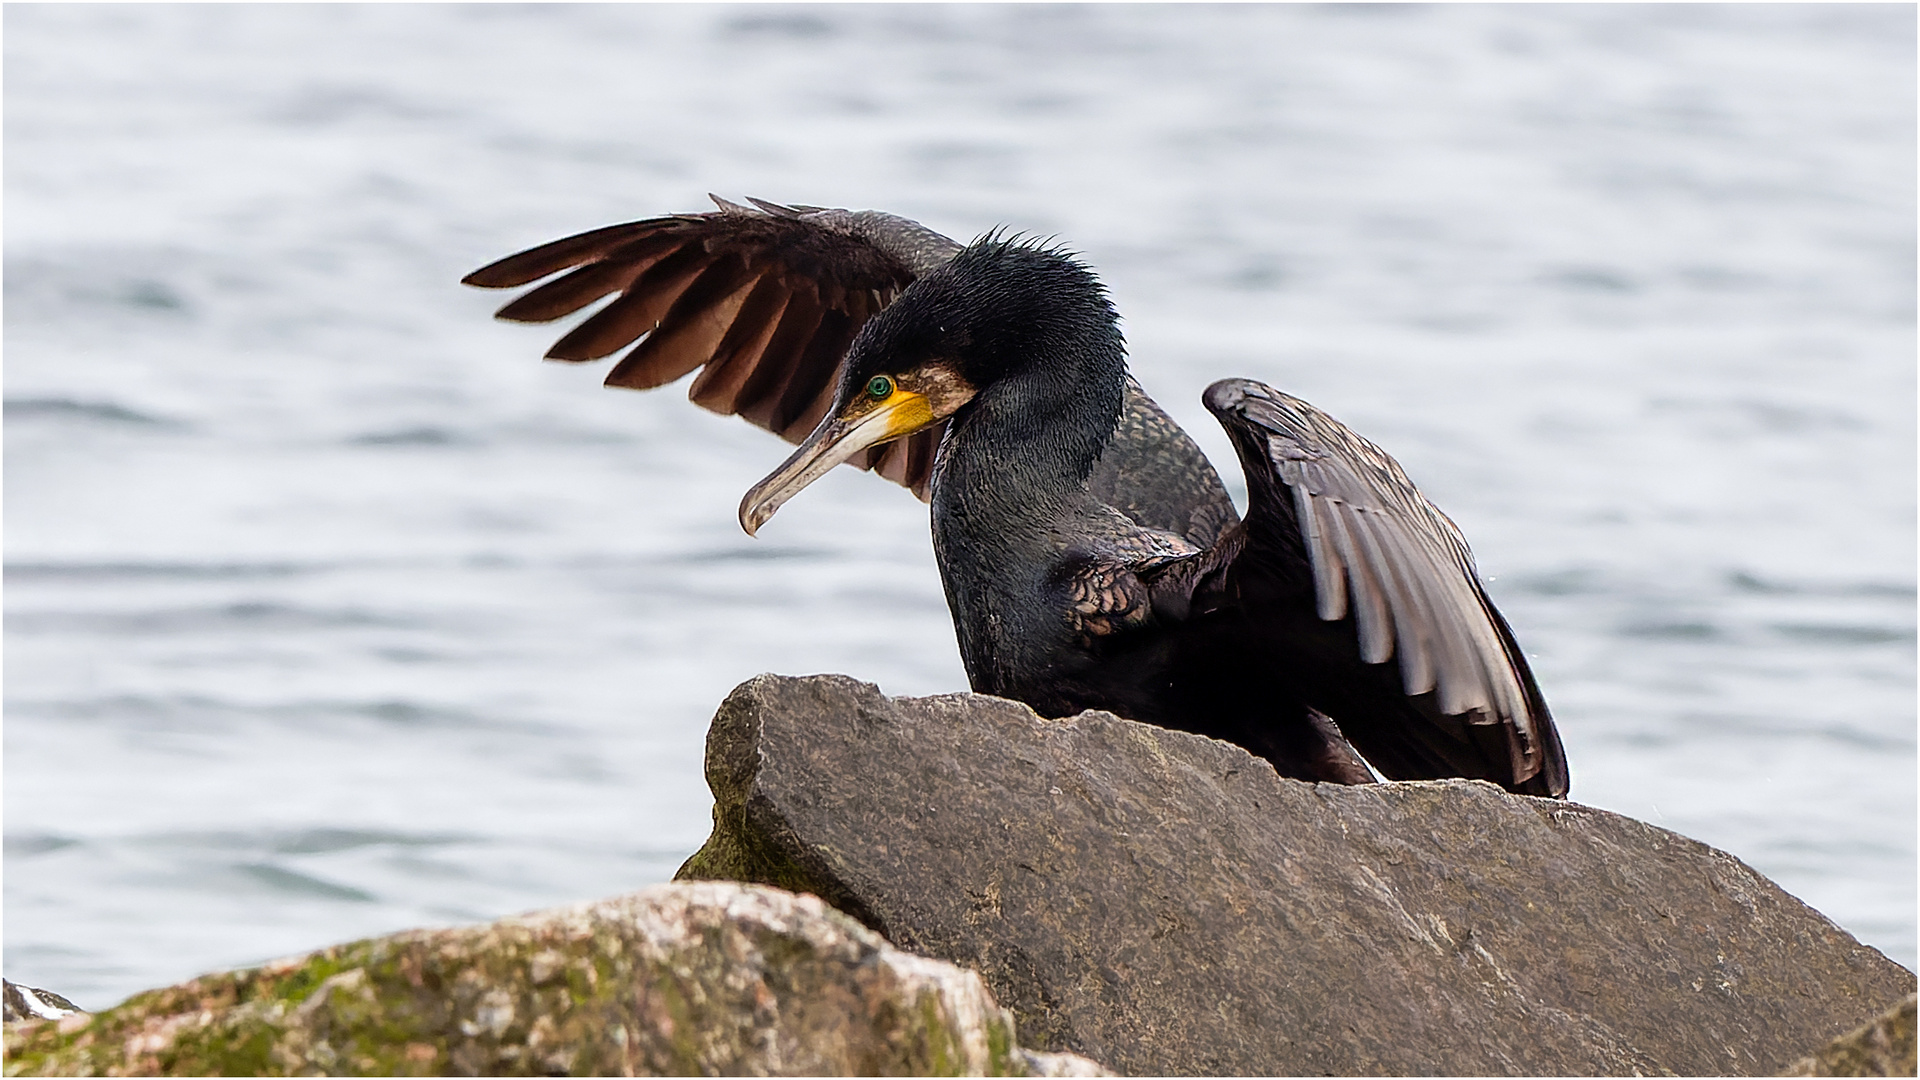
(330, 610)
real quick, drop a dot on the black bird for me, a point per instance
(1090, 555)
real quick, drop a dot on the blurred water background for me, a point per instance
(331, 610)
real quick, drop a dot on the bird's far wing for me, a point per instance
(765, 298)
(1384, 555)
(1153, 473)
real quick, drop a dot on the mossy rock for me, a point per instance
(693, 979)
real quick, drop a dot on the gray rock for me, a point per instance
(1165, 903)
(1883, 1046)
(707, 979)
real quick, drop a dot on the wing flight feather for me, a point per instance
(551, 258)
(719, 384)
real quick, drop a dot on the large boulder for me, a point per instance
(713, 979)
(1165, 903)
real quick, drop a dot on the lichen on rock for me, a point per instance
(689, 979)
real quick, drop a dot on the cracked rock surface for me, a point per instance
(1165, 903)
(713, 978)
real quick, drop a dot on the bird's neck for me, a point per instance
(1010, 499)
(1020, 453)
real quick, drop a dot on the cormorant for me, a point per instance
(1091, 556)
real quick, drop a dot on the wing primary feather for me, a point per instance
(614, 273)
(761, 395)
(535, 263)
(722, 282)
(692, 328)
(610, 329)
(569, 293)
(1463, 676)
(648, 302)
(1545, 756)
(1481, 661)
(1329, 580)
(1364, 591)
(1474, 677)
(1412, 614)
(819, 366)
(663, 286)
(719, 383)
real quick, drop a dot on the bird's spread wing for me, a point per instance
(1383, 555)
(765, 298)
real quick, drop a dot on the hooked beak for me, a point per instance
(837, 439)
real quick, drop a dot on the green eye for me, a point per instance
(880, 386)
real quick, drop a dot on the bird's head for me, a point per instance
(1001, 309)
